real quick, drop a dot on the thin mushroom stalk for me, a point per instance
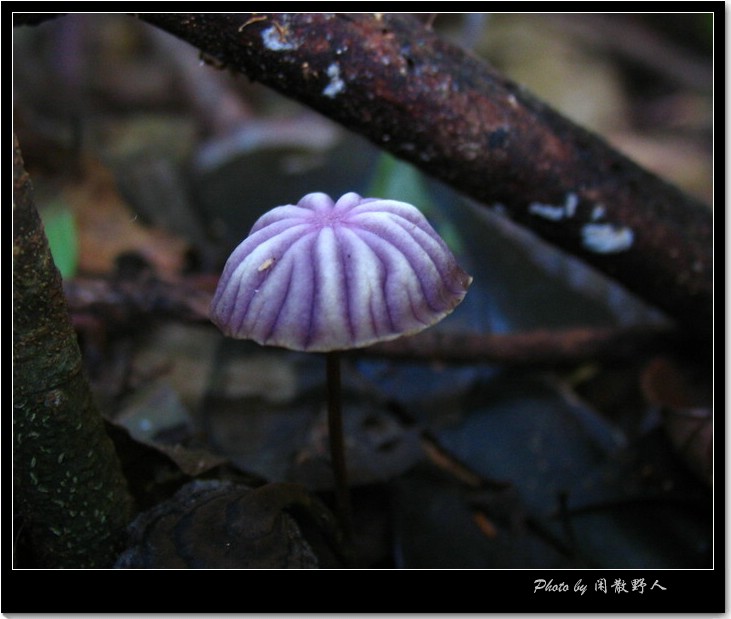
(337, 442)
(326, 276)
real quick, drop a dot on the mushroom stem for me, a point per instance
(337, 442)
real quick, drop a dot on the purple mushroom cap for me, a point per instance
(324, 276)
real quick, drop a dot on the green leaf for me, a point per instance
(60, 226)
(397, 180)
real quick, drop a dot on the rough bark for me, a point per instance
(392, 79)
(70, 496)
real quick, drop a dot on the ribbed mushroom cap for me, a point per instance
(323, 275)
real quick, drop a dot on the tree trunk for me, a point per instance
(71, 499)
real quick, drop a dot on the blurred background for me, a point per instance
(150, 163)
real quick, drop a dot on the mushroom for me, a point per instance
(324, 276)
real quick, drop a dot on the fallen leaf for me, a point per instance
(107, 227)
(687, 418)
(221, 525)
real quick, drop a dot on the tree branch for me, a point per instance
(69, 490)
(531, 348)
(189, 300)
(393, 80)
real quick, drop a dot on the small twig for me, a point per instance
(252, 20)
(122, 299)
(532, 348)
(448, 462)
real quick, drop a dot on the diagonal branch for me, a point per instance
(393, 80)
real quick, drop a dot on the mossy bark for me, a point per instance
(71, 500)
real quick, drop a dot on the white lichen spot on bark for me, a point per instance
(598, 212)
(606, 238)
(553, 212)
(572, 201)
(275, 40)
(336, 85)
